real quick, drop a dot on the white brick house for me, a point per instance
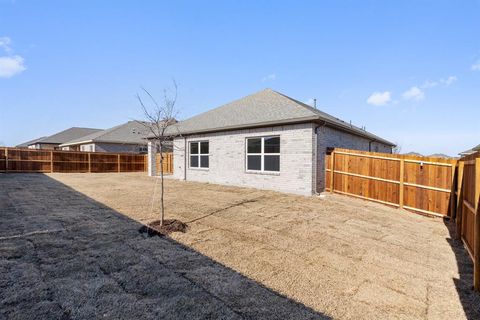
(266, 140)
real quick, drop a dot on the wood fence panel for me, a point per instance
(29, 160)
(420, 184)
(3, 160)
(167, 163)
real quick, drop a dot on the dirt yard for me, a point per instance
(258, 254)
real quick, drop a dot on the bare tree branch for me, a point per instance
(161, 123)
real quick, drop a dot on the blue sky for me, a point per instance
(407, 70)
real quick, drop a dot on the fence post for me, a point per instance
(51, 161)
(89, 164)
(459, 216)
(453, 206)
(332, 173)
(6, 159)
(402, 178)
(476, 231)
(118, 162)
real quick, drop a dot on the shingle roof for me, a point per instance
(28, 143)
(131, 132)
(66, 135)
(470, 151)
(264, 108)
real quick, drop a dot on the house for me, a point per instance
(127, 137)
(29, 143)
(266, 140)
(470, 151)
(54, 141)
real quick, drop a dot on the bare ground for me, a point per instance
(337, 257)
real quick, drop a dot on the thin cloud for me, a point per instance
(476, 66)
(414, 93)
(379, 98)
(10, 64)
(270, 77)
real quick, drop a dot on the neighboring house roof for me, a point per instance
(264, 108)
(414, 154)
(470, 151)
(67, 135)
(132, 132)
(439, 155)
(29, 143)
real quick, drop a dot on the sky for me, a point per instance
(407, 70)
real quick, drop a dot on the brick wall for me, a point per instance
(332, 138)
(227, 159)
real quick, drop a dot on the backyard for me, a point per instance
(70, 247)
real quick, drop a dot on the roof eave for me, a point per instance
(316, 119)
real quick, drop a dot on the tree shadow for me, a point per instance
(64, 255)
(470, 299)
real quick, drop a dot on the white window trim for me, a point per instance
(262, 155)
(198, 155)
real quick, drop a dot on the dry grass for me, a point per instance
(344, 257)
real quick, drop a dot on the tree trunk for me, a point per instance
(162, 186)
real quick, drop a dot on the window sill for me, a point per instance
(199, 169)
(265, 173)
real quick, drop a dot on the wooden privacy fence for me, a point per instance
(167, 163)
(27, 160)
(467, 209)
(420, 184)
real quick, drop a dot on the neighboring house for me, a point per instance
(54, 141)
(127, 137)
(29, 143)
(266, 140)
(439, 155)
(470, 151)
(416, 154)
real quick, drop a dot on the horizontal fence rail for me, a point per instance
(44, 161)
(167, 163)
(420, 184)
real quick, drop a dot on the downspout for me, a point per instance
(370, 145)
(315, 189)
(185, 158)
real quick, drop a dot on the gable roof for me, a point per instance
(470, 151)
(29, 143)
(66, 135)
(264, 108)
(132, 132)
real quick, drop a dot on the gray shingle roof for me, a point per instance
(28, 143)
(470, 151)
(131, 132)
(67, 135)
(264, 108)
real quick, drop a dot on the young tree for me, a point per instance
(160, 118)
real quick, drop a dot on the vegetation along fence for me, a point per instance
(167, 163)
(28, 160)
(420, 184)
(467, 210)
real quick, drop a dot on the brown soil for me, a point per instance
(169, 226)
(343, 257)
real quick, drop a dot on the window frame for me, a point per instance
(262, 155)
(198, 155)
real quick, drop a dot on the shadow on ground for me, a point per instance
(470, 300)
(64, 255)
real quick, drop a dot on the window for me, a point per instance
(199, 154)
(263, 154)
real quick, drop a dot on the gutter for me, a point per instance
(345, 128)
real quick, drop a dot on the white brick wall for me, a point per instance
(227, 159)
(300, 172)
(331, 138)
